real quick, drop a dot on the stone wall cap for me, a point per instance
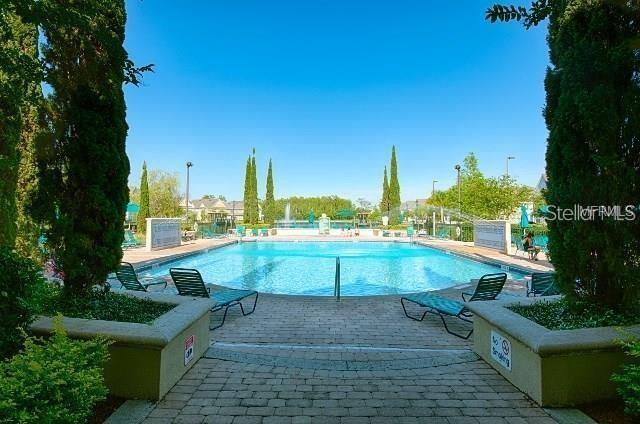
(541, 340)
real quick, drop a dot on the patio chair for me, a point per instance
(410, 231)
(130, 240)
(206, 233)
(542, 241)
(127, 276)
(518, 242)
(443, 233)
(189, 283)
(240, 230)
(254, 232)
(489, 286)
(542, 284)
(265, 232)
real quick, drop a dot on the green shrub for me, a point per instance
(18, 276)
(628, 379)
(566, 315)
(55, 381)
(97, 304)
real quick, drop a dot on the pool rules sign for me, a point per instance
(501, 350)
(189, 349)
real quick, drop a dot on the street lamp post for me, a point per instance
(457, 168)
(508, 159)
(189, 165)
(433, 188)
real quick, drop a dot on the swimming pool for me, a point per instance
(308, 268)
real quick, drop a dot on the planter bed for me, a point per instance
(554, 367)
(146, 360)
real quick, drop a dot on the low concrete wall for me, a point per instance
(555, 368)
(145, 360)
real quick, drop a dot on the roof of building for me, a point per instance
(542, 182)
(412, 204)
(215, 204)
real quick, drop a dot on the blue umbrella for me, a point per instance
(524, 219)
(133, 208)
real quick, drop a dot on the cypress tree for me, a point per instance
(255, 211)
(593, 115)
(269, 199)
(87, 64)
(143, 213)
(28, 229)
(384, 203)
(394, 184)
(17, 50)
(247, 216)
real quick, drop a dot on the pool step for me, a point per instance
(338, 357)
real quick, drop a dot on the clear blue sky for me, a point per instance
(326, 87)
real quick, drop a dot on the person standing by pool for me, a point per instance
(530, 247)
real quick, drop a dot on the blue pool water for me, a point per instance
(308, 268)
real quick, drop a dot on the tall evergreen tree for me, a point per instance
(143, 213)
(18, 61)
(248, 215)
(20, 107)
(87, 70)
(269, 199)
(33, 130)
(593, 116)
(385, 206)
(255, 209)
(394, 184)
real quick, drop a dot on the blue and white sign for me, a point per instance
(500, 350)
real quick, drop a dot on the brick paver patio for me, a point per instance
(314, 360)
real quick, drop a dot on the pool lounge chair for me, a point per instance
(489, 286)
(254, 232)
(127, 276)
(264, 232)
(189, 283)
(542, 284)
(410, 231)
(240, 231)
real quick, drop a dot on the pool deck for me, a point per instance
(306, 359)
(140, 257)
